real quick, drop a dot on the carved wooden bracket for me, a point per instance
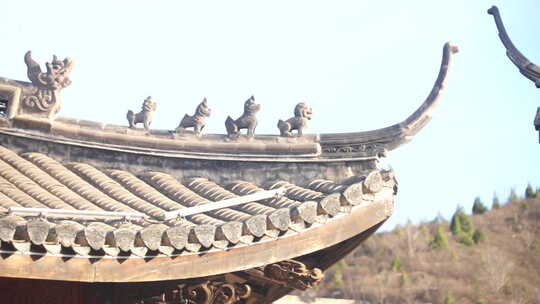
(211, 292)
(202, 292)
(294, 274)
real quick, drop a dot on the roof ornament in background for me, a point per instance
(248, 120)
(46, 97)
(527, 68)
(197, 121)
(144, 116)
(302, 115)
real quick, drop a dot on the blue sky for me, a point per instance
(360, 65)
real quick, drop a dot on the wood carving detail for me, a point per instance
(294, 274)
(48, 84)
(201, 292)
(216, 293)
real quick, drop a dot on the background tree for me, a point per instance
(513, 196)
(479, 207)
(529, 192)
(449, 299)
(439, 241)
(455, 222)
(466, 223)
(496, 204)
(462, 227)
(396, 264)
(478, 236)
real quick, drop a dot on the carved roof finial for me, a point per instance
(46, 97)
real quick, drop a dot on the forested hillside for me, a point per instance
(490, 256)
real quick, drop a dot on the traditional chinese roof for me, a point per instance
(335, 194)
(35, 180)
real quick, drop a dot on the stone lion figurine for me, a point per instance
(144, 116)
(302, 115)
(248, 120)
(197, 120)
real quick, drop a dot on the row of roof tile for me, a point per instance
(35, 180)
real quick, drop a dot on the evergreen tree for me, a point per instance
(478, 206)
(496, 204)
(513, 196)
(455, 223)
(396, 264)
(404, 280)
(466, 224)
(529, 192)
(478, 236)
(466, 239)
(438, 219)
(338, 274)
(462, 227)
(398, 231)
(449, 299)
(439, 241)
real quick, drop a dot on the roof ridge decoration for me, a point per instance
(526, 67)
(248, 120)
(46, 96)
(379, 142)
(144, 116)
(178, 143)
(197, 121)
(302, 115)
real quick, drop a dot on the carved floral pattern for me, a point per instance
(367, 148)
